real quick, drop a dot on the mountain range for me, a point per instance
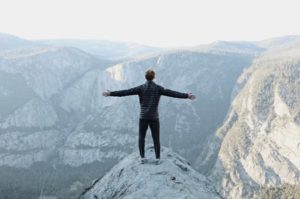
(241, 133)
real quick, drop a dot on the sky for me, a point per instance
(162, 23)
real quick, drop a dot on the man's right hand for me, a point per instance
(106, 93)
(191, 96)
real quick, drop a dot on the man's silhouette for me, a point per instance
(149, 94)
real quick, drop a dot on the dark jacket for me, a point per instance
(149, 95)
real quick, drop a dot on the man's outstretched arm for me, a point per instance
(121, 93)
(176, 94)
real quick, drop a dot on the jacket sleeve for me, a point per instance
(121, 93)
(171, 93)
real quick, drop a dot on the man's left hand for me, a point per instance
(106, 93)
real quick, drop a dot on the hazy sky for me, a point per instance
(153, 22)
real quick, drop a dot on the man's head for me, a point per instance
(150, 75)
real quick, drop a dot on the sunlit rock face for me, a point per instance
(259, 142)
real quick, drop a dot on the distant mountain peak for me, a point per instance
(173, 178)
(10, 42)
(5, 35)
(106, 49)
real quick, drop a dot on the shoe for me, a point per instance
(143, 160)
(157, 161)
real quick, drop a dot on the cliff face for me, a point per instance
(32, 125)
(259, 142)
(173, 178)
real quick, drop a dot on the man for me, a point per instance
(149, 94)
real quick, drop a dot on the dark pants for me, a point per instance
(154, 126)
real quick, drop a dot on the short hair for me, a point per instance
(150, 74)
